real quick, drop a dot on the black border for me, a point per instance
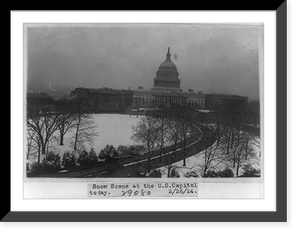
(280, 215)
(233, 5)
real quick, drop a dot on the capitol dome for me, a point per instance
(167, 75)
(167, 65)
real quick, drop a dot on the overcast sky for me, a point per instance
(209, 58)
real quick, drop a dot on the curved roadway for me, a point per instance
(130, 169)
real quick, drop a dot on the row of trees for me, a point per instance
(83, 159)
(168, 126)
(236, 129)
(48, 119)
(237, 140)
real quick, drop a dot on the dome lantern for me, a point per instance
(168, 54)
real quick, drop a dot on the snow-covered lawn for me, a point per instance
(113, 129)
(116, 129)
(196, 162)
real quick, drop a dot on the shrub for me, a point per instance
(36, 168)
(141, 170)
(190, 174)
(93, 158)
(250, 171)
(109, 153)
(211, 174)
(136, 150)
(215, 174)
(155, 174)
(130, 150)
(226, 173)
(174, 173)
(68, 160)
(83, 159)
(123, 151)
(51, 163)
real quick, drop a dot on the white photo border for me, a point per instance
(268, 18)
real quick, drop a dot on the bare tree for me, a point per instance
(220, 123)
(67, 119)
(173, 133)
(146, 132)
(212, 159)
(33, 143)
(242, 151)
(162, 117)
(84, 124)
(234, 119)
(42, 122)
(185, 120)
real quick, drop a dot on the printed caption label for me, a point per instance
(142, 190)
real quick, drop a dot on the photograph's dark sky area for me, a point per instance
(209, 57)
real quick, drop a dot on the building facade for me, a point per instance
(214, 101)
(196, 100)
(142, 98)
(105, 99)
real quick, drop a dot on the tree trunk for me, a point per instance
(75, 141)
(160, 154)
(61, 139)
(246, 151)
(232, 139)
(237, 168)
(161, 145)
(44, 149)
(169, 171)
(228, 143)
(218, 136)
(234, 159)
(204, 171)
(184, 162)
(39, 154)
(76, 134)
(149, 168)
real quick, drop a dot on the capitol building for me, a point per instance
(166, 90)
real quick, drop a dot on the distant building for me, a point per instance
(106, 99)
(214, 101)
(142, 98)
(196, 100)
(38, 95)
(38, 99)
(35, 101)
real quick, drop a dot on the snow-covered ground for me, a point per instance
(113, 129)
(204, 111)
(116, 129)
(196, 162)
